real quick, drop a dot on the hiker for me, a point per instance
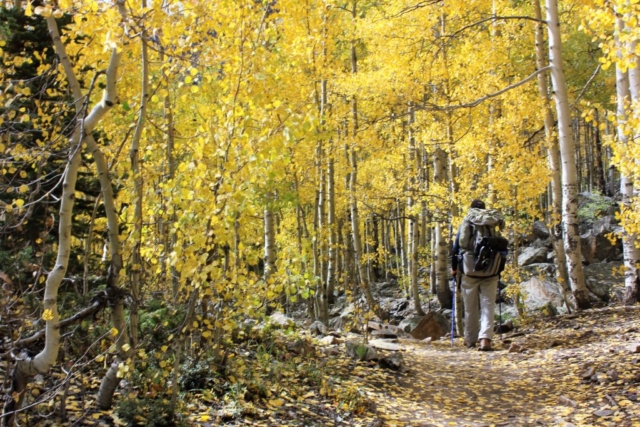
(479, 252)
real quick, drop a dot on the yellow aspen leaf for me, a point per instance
(28, 11)
(195, 89)
(276, 402)
(126, 347)
(113, 332)
(24, 118)
(47, 315)
(193, 71)
(100, 358)
(23, 188)
(19, 203)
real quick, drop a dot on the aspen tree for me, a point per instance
(555, 225)
(135, 267)
(571, 233)
(41, 363)
(413, 217)
(627, 88)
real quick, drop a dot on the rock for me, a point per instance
(385, 333)
(300, 347)
(539, 293)
(374, 326)
(591, 371)
(394, 361)
(361, 351)
(318, 328)
(635, 348)
(407, 325)
(504, 327)
(532, 255)
(564, 400)
(427, 340)
(603, 413)
(516, 348)
(328, 340)
(541, 269)
(280, 320)
(540, 230)
(432, 325)
(385, 345)
(599, 288)
(595, 243)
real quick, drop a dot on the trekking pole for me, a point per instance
(453, 310)
(500, 308)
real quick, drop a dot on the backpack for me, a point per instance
(483, 250)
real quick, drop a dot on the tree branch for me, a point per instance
(433, 107)
(97, 303)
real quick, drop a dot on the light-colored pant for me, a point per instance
(479, 294)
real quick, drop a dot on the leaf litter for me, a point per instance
(575, 370)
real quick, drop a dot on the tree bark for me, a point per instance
(441, 252)
(567, 152)
(555, 224)
(628, 88)
(135, 267)
(413, 217)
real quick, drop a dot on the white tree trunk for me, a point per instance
(567, 153)
(413, 217)
(441, 252)
(555, 224)
(628, 88)
(135, 267)
(42, 362)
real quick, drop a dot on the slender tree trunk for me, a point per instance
(441, 246)
(269, 239)
(413, 218)
(628, 88)
(567, 152)
(41, 363)
(600, 181)
(135, 269)
(555, 224)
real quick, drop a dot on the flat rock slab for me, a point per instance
(385, 345)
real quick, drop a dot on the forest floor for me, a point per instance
(575, 370)
(572, 370)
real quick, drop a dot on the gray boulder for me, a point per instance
(361, 351)
(596, 244)
(433, 325)
(600, 279)
(540, 292)
(318, 328)
(394, 361)
(281, 320)
(540, 230)
(532, 255)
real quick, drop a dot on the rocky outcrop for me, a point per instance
(602, 241)
(532, 255)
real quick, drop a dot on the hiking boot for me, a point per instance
(485, 344)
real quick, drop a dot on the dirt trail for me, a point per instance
(544, 386)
